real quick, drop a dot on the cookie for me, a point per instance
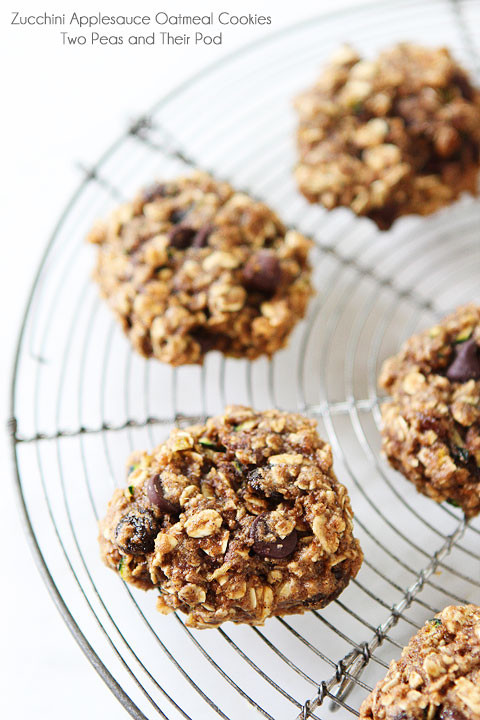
(239, 519)
(389, 137)
(431, 427)
(438, 674)
(191, 265)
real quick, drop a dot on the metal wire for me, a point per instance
(81, 399)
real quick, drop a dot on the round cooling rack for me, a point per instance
(82, 400)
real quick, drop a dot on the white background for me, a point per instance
(60, 106)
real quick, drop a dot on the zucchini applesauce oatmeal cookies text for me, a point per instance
(431, 428)
(191, 265)
(392, 136)
(238, 519)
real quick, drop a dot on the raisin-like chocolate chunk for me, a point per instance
(201, 238)
(135, 533)
(262, 272)
(466, 362)
(206, 339)
(181, 237)
(154, 491)
(267, 543)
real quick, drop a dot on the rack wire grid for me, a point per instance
(81, 399)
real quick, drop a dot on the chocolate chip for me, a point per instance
(262, 272)
(181, 236)
(384, 217)
(339, 570)
(135, 533)
(201, 238)
(146, 345)
(208, 340)
(432, 422)
(466, 362)
(264, 546)
(154, 491)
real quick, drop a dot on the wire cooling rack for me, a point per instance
(81, 400)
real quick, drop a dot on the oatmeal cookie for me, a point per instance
(389, 137)
(431, 427)
(438, 674)
(191, 266)
(238, 519)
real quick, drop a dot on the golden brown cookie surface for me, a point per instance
(191, 266)
(431, 427)
(238, 519)
(438, 674)
(396, 135)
